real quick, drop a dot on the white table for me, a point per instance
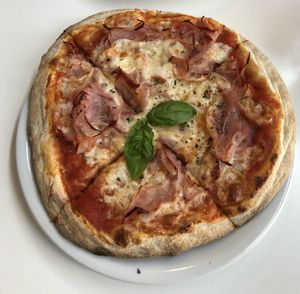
(29, 262)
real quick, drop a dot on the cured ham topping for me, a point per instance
(78, 66)
(140, 32)
(103, 38)
(231, 133)
(151, 196)
(233, 72)
(197, 39)
(94, 110)
(176, 183)
(135, 77)
(134, 95)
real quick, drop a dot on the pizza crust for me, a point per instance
(284, 161)
(78, 230)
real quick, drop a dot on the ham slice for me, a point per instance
(133, 94)
(190, 189)
(169, 161)
(140, 32)
(181, 65)
(231, 132)
(152, 195)
(93, 112)
(77, 66)
(233, 72)
(197, 39)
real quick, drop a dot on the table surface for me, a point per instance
(30, 263)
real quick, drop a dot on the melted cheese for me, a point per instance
(148, 58)
(151, 59)
(145, 61)
(117, 188)
(100, 156)
(218, 52)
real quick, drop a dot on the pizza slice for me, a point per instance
(163, 212)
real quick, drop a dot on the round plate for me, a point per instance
(194, 263)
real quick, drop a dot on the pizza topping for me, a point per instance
(139, 148)
(160, 189)
(165, 188)
(233, 72)
(171, 113)
(258, 112)
(131, 93)
(168, 161)
(94, 110)
(197, 39)
(229, 130)
(190, 189)
(78, 66)
(140, 32)
(150, 197)
(181, 64)
(187, 81)
(229, 185)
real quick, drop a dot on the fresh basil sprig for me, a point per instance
(139, 148)
(171, 113)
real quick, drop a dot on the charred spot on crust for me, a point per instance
(168, 220)
(273, 158)
(259, 181)
(242, 209)
(55, 220)
(120, 237)
(136, 240)
(226, 210)
(184, 228)
(232, 193)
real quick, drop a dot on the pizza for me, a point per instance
(153, 133)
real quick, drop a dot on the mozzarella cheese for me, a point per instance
(151, 59)
(145, 61)
(118, 190)
(148, 58)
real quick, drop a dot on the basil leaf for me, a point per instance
(171, 113)
(139, 148)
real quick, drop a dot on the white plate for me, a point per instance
(192, 264)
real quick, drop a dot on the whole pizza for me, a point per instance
(152, 133)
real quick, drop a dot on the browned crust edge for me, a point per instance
(285, 158)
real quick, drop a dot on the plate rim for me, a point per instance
(90, 260)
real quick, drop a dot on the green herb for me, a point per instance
(139, 148)
(171, 113)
